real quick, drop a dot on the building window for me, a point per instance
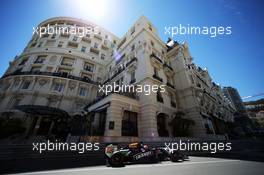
(53, 36)
(64, 72)
(102, 56)
(88, 67)
(132, 30)
(152, 43)
(26, 84)
(40, 44)
(35, 69)
(208, 125)
(74, 38)
(67, 61)
(23, 62)
(129, 124)
(60, 44)
(156, 72)
(159, 96)
(82, 91)
(73, 45)
(83, 49)
(111, 125)
(40, 59)
(133, 47)
(96, 45)
(162, 125)
(58, 87)
(133, 77)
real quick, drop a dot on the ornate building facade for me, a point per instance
(58, 77)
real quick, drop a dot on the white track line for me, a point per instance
(136, 166)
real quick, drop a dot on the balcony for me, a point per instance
(86, 40)
(170, 85)
(157, 78)
(168, 66)
(131, 61)
(73, 44)
(118, 72)
(133, 81)
(97, 36)
(83, 79)
(39, 61)
(67, 64)
(104, 47)
(94, 50)
(157, 59)
(88, 68)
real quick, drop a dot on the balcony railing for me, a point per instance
(55, 74)
(156, 57)
(170, 85)
(39, 61)
(121, 70)
(157, 78)
(131, 61)
(168, 66)
(67, 64)
(118, 72)
(133, 81)
(94, 50)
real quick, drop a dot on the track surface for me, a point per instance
(196, 165)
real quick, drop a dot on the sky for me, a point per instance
(235, 60)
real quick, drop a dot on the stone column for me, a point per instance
(114, 113)
(148, 121)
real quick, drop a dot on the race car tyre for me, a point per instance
(116, 160)
(174, 157)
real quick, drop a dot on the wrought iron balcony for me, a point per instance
(131, 61)
(157, 78)
(167, 66)
(170, 85)
(156, 57)
(133, 81)
(55, 74)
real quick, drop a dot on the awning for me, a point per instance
(42, 110)
(101, 108)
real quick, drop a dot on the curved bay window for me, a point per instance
(129, 124)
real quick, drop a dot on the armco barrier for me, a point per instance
(21, 158)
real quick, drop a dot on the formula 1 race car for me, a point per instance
(139, 153)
